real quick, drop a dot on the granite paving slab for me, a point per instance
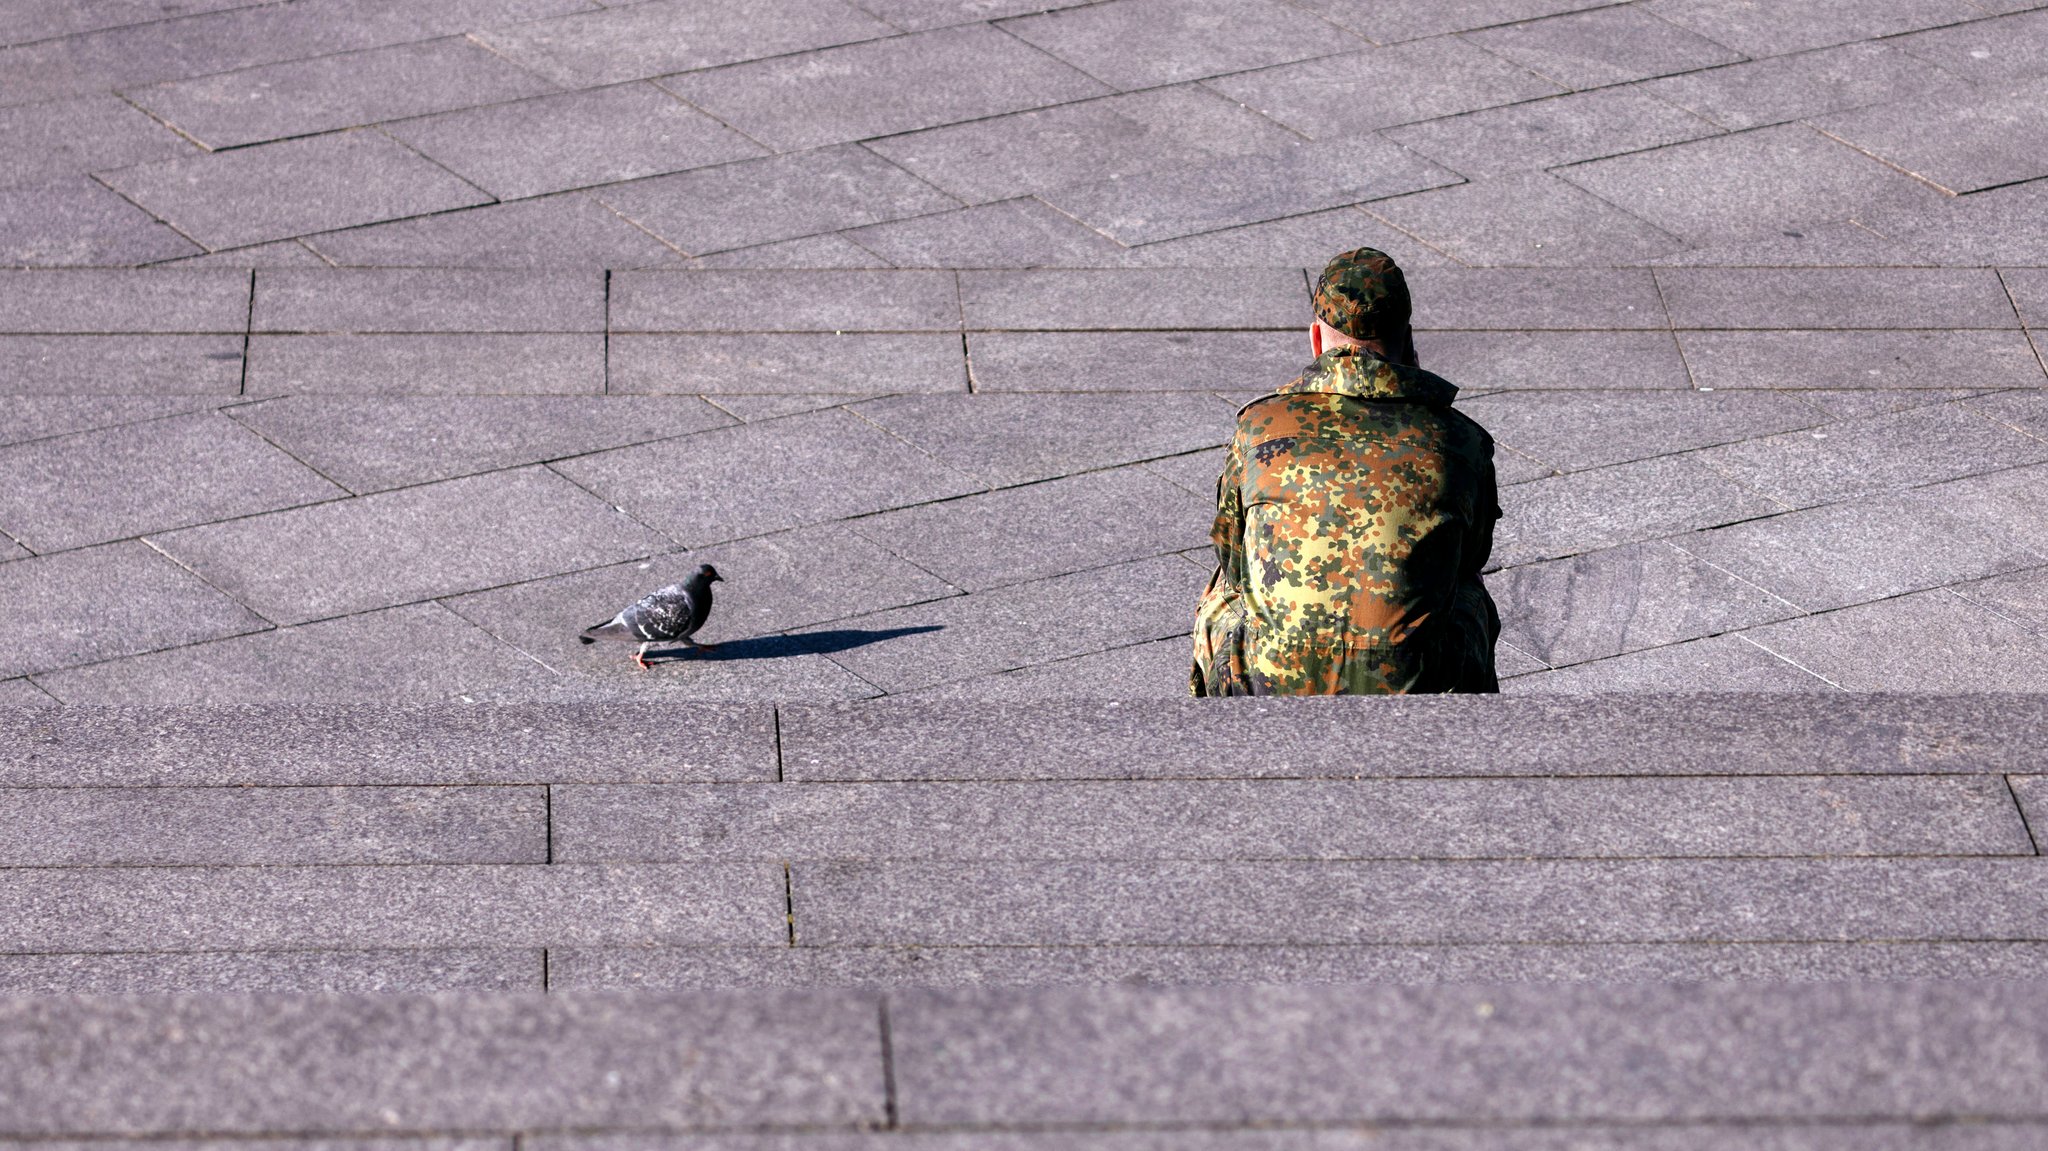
(1539, 360)
(830, 300)
(915, 15)
(1779, 89)
(224, 826)
(1026, 152)
(2002, 224)
(1888, 298)
(23, 24)
(1014, 438)
(1718, 663)
(1388, 21)
(275, 254)
(273, 972)
(1879, 453)
(574, 140)
(1549, 132)
(774, 363)
(1623, 599)
(1985, 51)
(572, 231)
(428, 300)
(2021, 596)
(1289, 819)
(304, 97)
(2031, 793)
(332, 744)
(1118, 299)
(883, 87)
(825, 250)
(1574, 430)
(1853, 359)
(373, 443)
(774, 198)
(2008, 501)
(637, 41)
(92, 301)
(292, 188)
(114, 483)
(401, 905)
(1357, 92)
(1602, 46)
(1531, 218)
(1166, 204)
(1147, 43)
(1727, 188)
(1516, 1054)
(1043, 530)
(1883, 646)
(765, 667)
(1843, 244)
(397, 547)
(1157, 669)
(1776, 27)
(105, 602)
(1133, 361)
(1020, 233)
(2025, 410)
(401, 654)
(1297, 241)
(1514, 299)
(832, 464)
(472, 1063)
(61, 137)
(75, 221)
(1627, 503)
(425, 364)
(1863, 550)
(2029, 290)
(51, 367)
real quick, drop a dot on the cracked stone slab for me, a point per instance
(570, 231)
(103, 603)
(274, 972)
(73, 221)
(1959, 142)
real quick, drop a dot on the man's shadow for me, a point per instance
(784, 646)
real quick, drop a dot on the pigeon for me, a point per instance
(673, 613)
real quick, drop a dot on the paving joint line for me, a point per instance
(890, 1116)
(2021, 808)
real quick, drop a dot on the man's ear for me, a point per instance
(1315, 338)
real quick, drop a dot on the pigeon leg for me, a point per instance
(640, 656)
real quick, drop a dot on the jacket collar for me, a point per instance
(1355, 372)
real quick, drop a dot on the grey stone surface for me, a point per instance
(574, 140)
(1861, 359)
(1525, 1054)
(1540, 360)
(1562, 299)
(1575, 430)
(275, 254)
(373, 364)
(1547, 133)
(1012, 439)
(1985, 51)
(1291, 819)
(25, 23)
(1044, 530)
(115, 826)
(1166, 204)
(573, 231)
(19, 692)
(1987, 227)
(1344, 95)
(305, 97)
(272, 972)
(292, 188)
(409, 905)
(75, 221)
(370, 444)
(913, 15)
(1882, 646)
(1388, 21)
(825, 250)
(1603, 46)
(1007, 156)
(420, 651)
(1147, 43)
(774, 363)
(641, 40)
(1778, 89)
(761, 301)
(52, 366)
(472, 1063)
(428, 300)
(326, 744)
(1866, 549)
(2022, 596)
(1134, 298)
(1730, 187)
(95, 487)
(1531, 218)
(61, 137)
(2029, 289)
(2031, 792)
(774, 198)
(838, 465)
(1134, 361)
(111, 301)
(1846, 244)
(1020, 233)
(883, 87)
(1157, 669)
(1718, 663)
(1774, 28)
(1750, 298)
(1628, 901)
(100, 603)
(2008, 501)
(1296, 241)
(396, 547)
(1627, 503)
(1879, 453)
(1624, 599)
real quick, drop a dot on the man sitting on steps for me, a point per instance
(1353, 516)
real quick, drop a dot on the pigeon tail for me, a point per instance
(609, 629)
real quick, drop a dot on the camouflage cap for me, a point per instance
(1363, 294)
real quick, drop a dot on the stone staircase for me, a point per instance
(1675, 922)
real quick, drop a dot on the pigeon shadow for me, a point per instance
(784, 646)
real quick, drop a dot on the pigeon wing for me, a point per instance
(664, 615)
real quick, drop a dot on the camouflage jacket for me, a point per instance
(1353, 516)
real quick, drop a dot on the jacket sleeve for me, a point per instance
(1227, 533)
(1219, 664)
(1478, 548)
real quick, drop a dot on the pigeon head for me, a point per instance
(709, 574)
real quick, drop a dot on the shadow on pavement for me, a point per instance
(784, 646)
